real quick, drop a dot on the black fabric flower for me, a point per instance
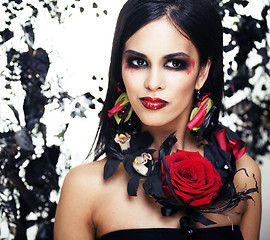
(222, 150)
(138, 142)
(135, 174)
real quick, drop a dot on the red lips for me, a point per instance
(153, 103)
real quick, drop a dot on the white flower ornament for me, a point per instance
(123, 139)
(139, 163)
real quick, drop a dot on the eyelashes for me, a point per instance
(170, 64)
(135, 62)
(177, 64)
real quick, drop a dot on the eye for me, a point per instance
(139, 62)
(135, 62)
(177, 64)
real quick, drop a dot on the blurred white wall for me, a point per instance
(80, 49)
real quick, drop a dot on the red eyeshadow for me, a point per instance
(191, 66)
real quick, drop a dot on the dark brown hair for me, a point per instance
(200, 22)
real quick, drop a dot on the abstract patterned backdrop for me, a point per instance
(53, 78)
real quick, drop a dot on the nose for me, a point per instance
(154, 80)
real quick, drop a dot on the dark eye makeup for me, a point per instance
(136, 62)
(175, 64)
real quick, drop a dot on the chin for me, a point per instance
(158, 121)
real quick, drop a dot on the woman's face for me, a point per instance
(160, 70)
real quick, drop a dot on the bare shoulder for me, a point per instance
(248, 171)
(85, 174)
(85, 180)
(79, 196)
(247, 162)
(248, 177)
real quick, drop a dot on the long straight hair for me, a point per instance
(200, 23)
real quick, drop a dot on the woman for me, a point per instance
(167, 157)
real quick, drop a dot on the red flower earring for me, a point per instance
(119, 108)
(199, 113)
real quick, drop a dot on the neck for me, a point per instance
(185, 140)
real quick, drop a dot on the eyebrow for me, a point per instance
(172, 55)
(136, 53)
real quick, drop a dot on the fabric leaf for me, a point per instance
(157, 185)
(199, 217)
(133, 185)
(127, 162)
(110, 167)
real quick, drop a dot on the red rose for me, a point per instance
(194, 179)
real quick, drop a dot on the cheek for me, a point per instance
(132, 78)
(183, 82)
(125, 73)
(191, 67)
(129, 80)
(182, 90)
(125, 66)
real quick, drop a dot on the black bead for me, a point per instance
(184, 222)
(186, 226)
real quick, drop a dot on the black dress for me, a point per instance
(215, 233)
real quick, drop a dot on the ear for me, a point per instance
(203, 75)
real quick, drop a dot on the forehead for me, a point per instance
(160, 37)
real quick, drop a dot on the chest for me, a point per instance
(116, 210)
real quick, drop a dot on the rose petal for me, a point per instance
(193, 178)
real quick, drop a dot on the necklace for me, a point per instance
(182, 181)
